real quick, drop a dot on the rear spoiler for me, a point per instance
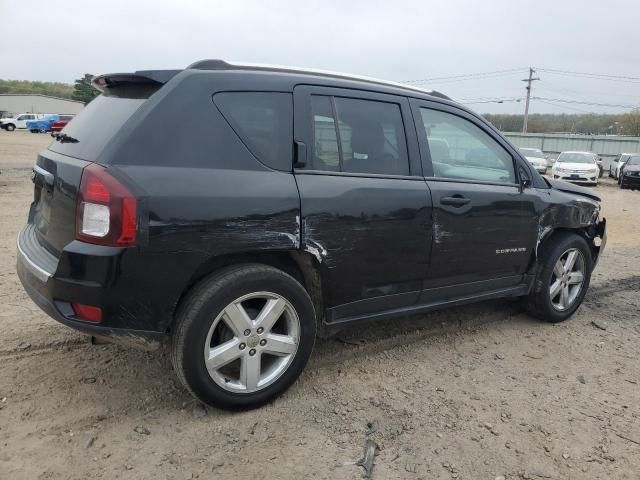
(141, 77)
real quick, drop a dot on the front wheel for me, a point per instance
(11, 127)
(562, 277)
(243, 336)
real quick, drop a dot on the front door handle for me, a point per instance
(455, 201)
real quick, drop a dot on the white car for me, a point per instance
(617, 164)
(20, 121)
(536, 158)
(581, 167)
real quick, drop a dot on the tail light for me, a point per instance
(106, 210)
(87, 312)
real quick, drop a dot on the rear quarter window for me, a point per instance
(264, 123)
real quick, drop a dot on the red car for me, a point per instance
(60, 124)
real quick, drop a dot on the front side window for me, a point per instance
(461, 150)
(264, 122)
(358, 136)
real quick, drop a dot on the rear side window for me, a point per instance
(264, 123)
(358, 136)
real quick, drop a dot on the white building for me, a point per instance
(14, 104)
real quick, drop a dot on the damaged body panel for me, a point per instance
(567, 207)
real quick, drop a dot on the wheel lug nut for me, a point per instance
(263, 342)
(247, 332)
(260, 330)
(242, 346)
(252, 352)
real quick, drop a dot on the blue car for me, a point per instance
(42, 125)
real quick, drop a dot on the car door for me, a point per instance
(484, 228)
(366, 210)
(21, 121)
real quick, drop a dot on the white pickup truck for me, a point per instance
(20, 121)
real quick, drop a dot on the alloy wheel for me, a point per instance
(252, 342)
(567, 279)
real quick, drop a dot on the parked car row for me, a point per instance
(34, 122)
(585, 167)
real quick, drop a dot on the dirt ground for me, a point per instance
(479, 392)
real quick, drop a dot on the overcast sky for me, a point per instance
(396, 40)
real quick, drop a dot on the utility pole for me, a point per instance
(526, 105)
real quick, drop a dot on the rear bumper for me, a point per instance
(41, 275)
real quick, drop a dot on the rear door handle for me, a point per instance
(455, 201)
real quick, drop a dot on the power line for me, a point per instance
(565, 106)
(600, 76)
(491, 100)
(466, 76)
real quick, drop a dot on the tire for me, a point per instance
(621, 183)
(10, 127)
(540, 302)
(202, 327)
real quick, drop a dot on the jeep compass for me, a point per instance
(287, 203)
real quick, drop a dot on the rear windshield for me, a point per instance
(89, 132)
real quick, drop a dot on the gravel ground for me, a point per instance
(479, 392)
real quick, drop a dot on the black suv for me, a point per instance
(238, 210)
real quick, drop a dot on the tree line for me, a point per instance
(81, 90)
(587, 123)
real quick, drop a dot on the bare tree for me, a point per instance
(631, 123)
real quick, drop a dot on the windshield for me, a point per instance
(574, 157)
(633, 161)
(532, 152)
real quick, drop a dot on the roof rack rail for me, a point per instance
(217, 64)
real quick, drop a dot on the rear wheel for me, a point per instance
(562, 278)
(243, 336)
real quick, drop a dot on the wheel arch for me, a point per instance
(588, 233)
(302, 266)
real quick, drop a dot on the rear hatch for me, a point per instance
(58, 170)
